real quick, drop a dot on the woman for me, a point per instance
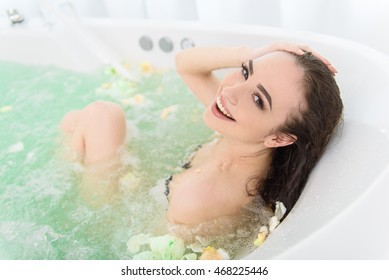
(274, 115)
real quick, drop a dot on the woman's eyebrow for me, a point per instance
(266, 94)
(251, 70)
(260, 86)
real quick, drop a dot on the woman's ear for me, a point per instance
(279, 140)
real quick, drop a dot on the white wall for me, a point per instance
(365, 21)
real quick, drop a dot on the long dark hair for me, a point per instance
(313, 125)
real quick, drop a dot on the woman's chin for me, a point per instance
(211, 121)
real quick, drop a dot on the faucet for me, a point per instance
(14, 16)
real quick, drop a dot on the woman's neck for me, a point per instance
(229, 153)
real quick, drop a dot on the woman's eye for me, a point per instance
(245, 72)
(258, 101)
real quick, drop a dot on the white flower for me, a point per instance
(135, 242)
(167, 247)
(280, 210)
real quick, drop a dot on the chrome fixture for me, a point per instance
(187, 43)
(14, 16)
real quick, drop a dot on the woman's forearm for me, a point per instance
(203, 60)
(196, 65)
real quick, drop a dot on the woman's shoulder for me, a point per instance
(205, 200)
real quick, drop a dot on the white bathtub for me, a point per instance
(342, 213)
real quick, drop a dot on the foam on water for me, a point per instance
(41, 213)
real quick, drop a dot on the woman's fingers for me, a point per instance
(320, 57)
(288, 47)
(300, 50)
(292, 48)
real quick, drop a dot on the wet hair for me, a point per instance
(313, 124)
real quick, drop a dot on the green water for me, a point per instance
(41, 214)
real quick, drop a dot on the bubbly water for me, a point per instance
(41, 213)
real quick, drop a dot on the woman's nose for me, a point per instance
(232, 87)
(232, 94)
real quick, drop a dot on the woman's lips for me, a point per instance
(220, 111)
(223, 107)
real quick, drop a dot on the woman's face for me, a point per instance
(253, 101)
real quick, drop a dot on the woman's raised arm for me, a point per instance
(195, 66)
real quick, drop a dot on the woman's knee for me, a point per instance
(98, 130)
(70, 121)
(104, 111)
(106, 118)
(104, 129)
(97, 112)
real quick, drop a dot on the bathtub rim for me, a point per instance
(40, 26)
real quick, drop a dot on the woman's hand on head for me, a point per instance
(292, 48)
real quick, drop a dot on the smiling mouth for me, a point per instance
(222, 110)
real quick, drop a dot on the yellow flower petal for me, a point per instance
(130, 181)
(106, 85)
(210, 253)
(261, 238)
(5, 109)
(146, 67)
(263, 233)
(167, 111)
(138, 98)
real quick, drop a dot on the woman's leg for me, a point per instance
(96, 133)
